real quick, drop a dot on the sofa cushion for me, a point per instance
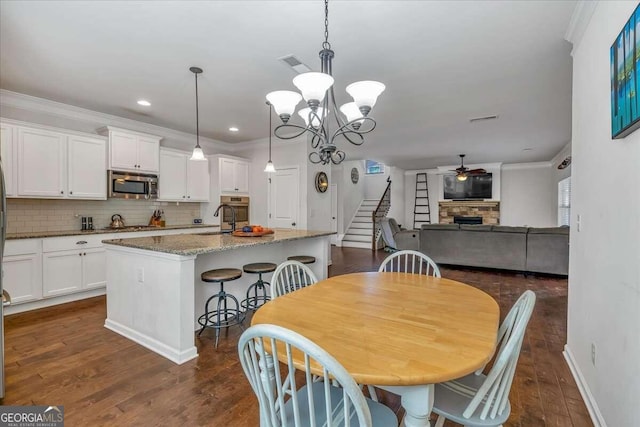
(508, 229)
(549, 230)
(471, 227)
(440, 226)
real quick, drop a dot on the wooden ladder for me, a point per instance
(421, 212)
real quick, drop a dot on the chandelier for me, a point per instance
(317, 91)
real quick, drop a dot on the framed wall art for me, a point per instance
(625, 55)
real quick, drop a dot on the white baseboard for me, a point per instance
(585, 392)
(152, 344)
(48, 302)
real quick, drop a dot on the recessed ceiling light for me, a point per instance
(234, 129)
(144, 103)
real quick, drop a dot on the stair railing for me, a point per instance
(379, 213)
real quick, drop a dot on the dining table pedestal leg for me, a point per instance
(417, 402)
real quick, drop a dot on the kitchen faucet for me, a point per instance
(233, 215)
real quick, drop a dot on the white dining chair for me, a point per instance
(314, 403)
(483, 400)
(290, 276)
(409, 261)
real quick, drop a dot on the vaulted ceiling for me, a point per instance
(443, 63)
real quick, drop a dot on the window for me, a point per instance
(373, 167)
(564, 202)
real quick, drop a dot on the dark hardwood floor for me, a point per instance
(64, 356)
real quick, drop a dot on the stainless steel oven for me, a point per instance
(127, 185)
(241, 206)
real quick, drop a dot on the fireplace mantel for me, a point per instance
(487, 209)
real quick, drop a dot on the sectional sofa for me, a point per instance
(540, 250)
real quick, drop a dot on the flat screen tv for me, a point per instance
(475, 187)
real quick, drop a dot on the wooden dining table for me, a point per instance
(400, 332)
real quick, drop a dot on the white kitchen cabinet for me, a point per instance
(73, 264)
(181, 179)
(132, 151)
(87, 176)
(198, 180)
(41, 163)
(44, 162)
(22, 270)
(234, 176)
(7, 145)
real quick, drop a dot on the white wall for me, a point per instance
(350, 195)
(318, 204)
(528, 195)
(604, 267)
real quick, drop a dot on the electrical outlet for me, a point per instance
(197, 220)
(140, 275)
(579, 222)
(593, 354)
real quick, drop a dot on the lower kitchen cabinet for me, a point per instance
(22, 277)
(73, 271)
(72, 264)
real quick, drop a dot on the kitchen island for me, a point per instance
(154, 291)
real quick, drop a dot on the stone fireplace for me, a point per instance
(489, 211)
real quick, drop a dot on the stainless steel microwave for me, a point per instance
(127, 185)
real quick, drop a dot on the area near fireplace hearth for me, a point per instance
(489, 211)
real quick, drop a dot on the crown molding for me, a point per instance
(58, 109)
(580, 18)
(531, 165)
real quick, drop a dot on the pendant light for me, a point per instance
(269, 168)
(197, 151)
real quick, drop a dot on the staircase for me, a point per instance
(360, 232)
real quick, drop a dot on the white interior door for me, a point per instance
(334, 212)
(284, 198)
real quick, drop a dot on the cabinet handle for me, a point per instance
(80, 254)
(183, 197)
(61, 192)
(236, 189)
(81, 242)
(70, 192)
(85, 254)
(188, 197)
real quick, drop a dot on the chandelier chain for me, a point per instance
(326, 44)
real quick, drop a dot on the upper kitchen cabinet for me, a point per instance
(181, 179)
(7, 155)
(41, 163)
(87, 177)
(44, 162)
(234, 176)
(132, 151)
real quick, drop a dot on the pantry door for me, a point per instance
(284, 200)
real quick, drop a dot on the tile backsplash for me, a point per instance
(27, 215)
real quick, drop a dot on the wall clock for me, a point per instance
(355, 175)
(322, 182)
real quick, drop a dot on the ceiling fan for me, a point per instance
(462, 172)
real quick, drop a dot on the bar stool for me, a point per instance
(305, 259)
(260, 295)
(224, 315)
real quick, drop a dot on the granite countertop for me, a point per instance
(131, 229)
(194, 244)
